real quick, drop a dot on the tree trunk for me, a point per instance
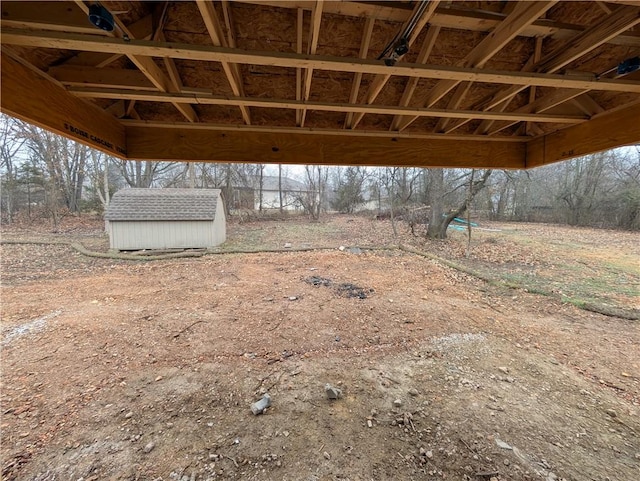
(441, 224)
(280, 186)
(436, 194)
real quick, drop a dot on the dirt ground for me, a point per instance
(131, 370)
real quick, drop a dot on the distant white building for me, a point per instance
(292, 192)
(165, 219)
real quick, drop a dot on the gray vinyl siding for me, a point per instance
(133, 235)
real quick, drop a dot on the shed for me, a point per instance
(166, 219)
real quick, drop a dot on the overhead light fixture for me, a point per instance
(101, 17)
(399, 46)
(629, 65)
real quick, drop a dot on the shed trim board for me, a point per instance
(484, 84)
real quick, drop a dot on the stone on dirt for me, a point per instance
(149, 447)
(397, 403)
(259, 407)
(332, 391)
(611, 413)
(502, 444)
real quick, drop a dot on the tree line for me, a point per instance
(42, 173)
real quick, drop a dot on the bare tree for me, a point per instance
(316, 177)
(11, 143)
(439, 220)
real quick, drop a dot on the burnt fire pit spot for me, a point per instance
(345, 289)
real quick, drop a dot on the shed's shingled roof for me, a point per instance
(163, 204)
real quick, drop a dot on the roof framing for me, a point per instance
(492, 84)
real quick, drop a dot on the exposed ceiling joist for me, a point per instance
(148, 67)
(101, 77)
(231, 70)
(421, 17)
(320, 106)
(60, 16)
(412, 83)
(449, 15)
(284, 59)
(357, 79)
(554, 61)
(314, 34)
(293, 48)
(522, 15)
(142, 29)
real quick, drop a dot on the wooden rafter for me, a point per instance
(231, 70)
(586, 103)
(320, 106)
(148, 67)
(357, 79)
(283, 59)
(522, 15)
(99, 77)
(601, 32)
(46, 16)
(314, 34)
(622, 19)
(412, 83)
(299, 35)
(449, 16)
(315, 131)
(381, 80)
(537, 54)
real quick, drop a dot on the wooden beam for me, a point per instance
(146, 64)
(501, 100)
(285, 59)
(381, 80)
(299, 32)
(537, 55)
(412, 83)
(142, 29)
(320, 106)
(101, 77)
(542, 104)
(454, 103)
(175, 84)
(117, 109)
(35, 99)
(212, 22)
(450, 16)
(522, 15)
(357, 79)
(604, 131)
(146, 143)
(314, 34)
(580, 45)
(586, 103)
(60, 16)
(610, 26)
(213, 127)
